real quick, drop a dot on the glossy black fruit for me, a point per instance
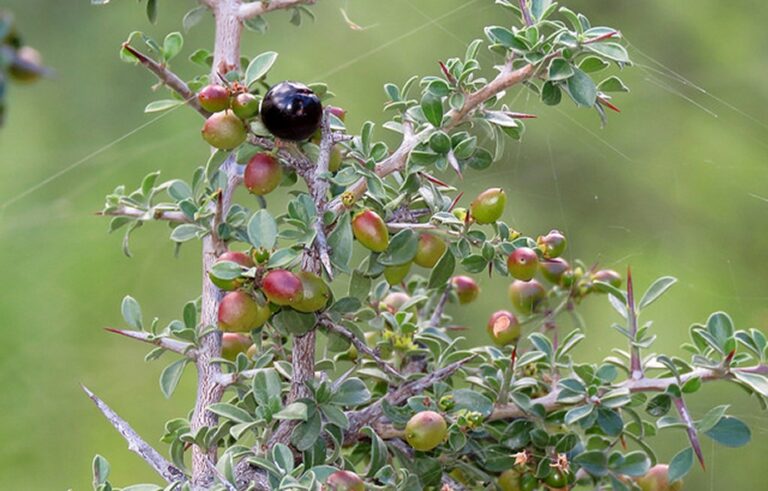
(291, 111)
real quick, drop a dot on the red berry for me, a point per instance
(553, 244)
(488, 206)
(240, 258)
(523, 263)
(240, 312)
(233, 343)
(291, 111)
(344, 481)
(608, 276)
(213, 98)
(554, 269)
(338, 112)
(282, 287)
(245, 105)
(657, 479)
(503, 328)
(466, 289)
(262, 174)
(224, 130)
(431, 249)
(370, 230)
(426, 430)
(315, 293)
(526, 296)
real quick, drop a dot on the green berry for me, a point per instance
(466, 289)
(262, 174)
(488, 206)
(396, 274)
(554, 270)
(240, 312)
(431, 249)
(213, 98)
(552, 245)
(233, 343)
(370, 230)
(224, 130)
(426, 430)
(526, 296)
(245, 105)
(240, 258)
(315, 293)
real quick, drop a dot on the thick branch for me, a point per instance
(146, 215)
(136, 444)
(168, 78)
(180, 347)
(260, 7)
(361, 347)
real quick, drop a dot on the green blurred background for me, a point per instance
(677, 184)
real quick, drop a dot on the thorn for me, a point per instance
(608, 104)
(434, 180)
(447, 73)
(520, 115)
(455, 201)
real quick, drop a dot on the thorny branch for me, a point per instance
(180, 347)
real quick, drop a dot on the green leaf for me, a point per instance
(754, 381)
(340, 242)
(352, 392)
(231, 412)
(613, 84)
(680, 465)
(171, 375)
(172, 45)
(595, 462)
(282, 456)
(186, 232)
(578, 413)
(306, 433)
(472, 401)
(293, 411)
(131, 312)
(294, 322)
(259, 67)
(635, 464)
(266, 386)
(551, 95)
(560, 69)
(100, 468)
(432, 106)
(656, 290)
(582, 89)
(712, 417)
(379, 454)
(262, 230)
(730, 432)
(193, 17)
(402, 249)
(162, 105)
(443, 270)
(720, 326)
(612, 51)
(152, 10)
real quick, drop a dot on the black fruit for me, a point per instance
(291, 111)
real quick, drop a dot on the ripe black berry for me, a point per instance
(291, 111)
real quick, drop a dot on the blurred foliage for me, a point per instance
(675, 185)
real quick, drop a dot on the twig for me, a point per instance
(146, 215)
(361, 347)
(260, 7)
(319, 189)
(168, 78)
(136, 444)
(180, 347)
(526, 13)
(636, 367)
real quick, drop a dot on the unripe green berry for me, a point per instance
(461, 213)
(396, 274)
(224, 130)
(488, 206)
(426, 430)
(466, 289)
(512, 480)
(233, 343)
(240, 258)
(262, 174)
(554, 270)
(394, 301)
(657, 479)
(213, 98)
(370, 230)
(282, 287)
(245, 105)
(336, 158)
(315, 293)
(431, 249)
(504, 328)
(608, 276)
(344, 481)
(523, 263)
(526, 296)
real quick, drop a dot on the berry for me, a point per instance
(240, 258)
(233, 343)
(394, 301)
(511, 480)
(213, 98)
(334, 164)
(554, 269)
(553, 244)
(558, 478)
(526, 296)
(262, 174)
(426, 430)
(339, 112)
(396, 274)
(461, 214)
(657, 479)
(224, 130)
(523, 263)
(370, 230)
(488, 206)
(27, 65)
(245, 105)
(291, 111)
(239, 312)
(315, 294)
(608, 276)
(431, 249)
(466, 289)
(282, 287)
(503, 328)
(344, 481)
